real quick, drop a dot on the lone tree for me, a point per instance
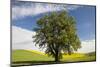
(56, 32)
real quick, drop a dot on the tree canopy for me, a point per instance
(58, 34)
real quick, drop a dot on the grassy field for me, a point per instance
(34, 57)
(25, 55)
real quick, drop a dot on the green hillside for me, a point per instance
(34, 57)
(25, 55)
(91, 54)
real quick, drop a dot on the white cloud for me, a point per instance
(73, 7)
(22, 39)
(37, 8)
(87, 46)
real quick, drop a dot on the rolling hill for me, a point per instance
(31, 55)
(27, 55)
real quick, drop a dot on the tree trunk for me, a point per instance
(57, 56)
(56, 59)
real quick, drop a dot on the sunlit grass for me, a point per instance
(29, 55)
(24, 55)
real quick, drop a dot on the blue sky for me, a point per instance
(25, 15)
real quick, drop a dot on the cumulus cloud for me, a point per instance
(30, 9)
(87, 46)
(22, 39)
